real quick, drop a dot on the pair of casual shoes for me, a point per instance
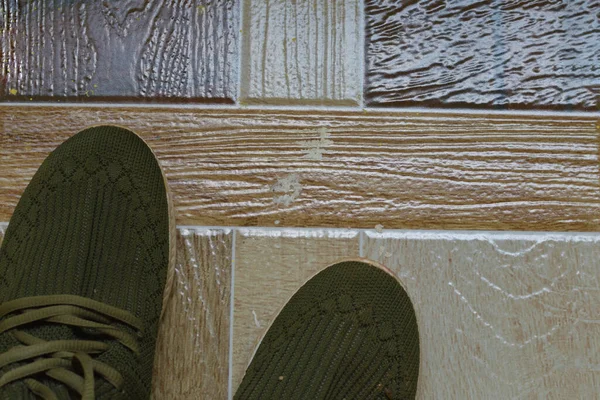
(83, 269)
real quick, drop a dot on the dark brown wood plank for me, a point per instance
(130, 50)
(342, 169)
(491, 53)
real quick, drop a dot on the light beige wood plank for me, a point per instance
(342, 169)
(270, 266)
(192, 354)
(501, 316)
(302, 52)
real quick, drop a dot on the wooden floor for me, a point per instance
(342, 169)
(486, 204)
(510, 314)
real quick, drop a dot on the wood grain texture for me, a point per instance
(270, 266)
(302, 52)
(342, 169)
(192, 354)
(138, 50)
(491, 53)
(501, 315)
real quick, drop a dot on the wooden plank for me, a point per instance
(516, 54)
(70, 50)
(270, 266)
(501, 316)
(302, 52)
(192, 353)
(342, 169)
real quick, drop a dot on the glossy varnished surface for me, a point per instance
(302, 52)
(130, 50)
(342, 169)
(501, 316)
(491, 53)
(192, 354)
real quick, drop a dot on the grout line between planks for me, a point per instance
(231, 306)
(422, 232)
(425, 233)
(363, 56)
(361, 244)
(313, 108)
(240, 61)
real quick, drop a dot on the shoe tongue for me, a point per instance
(50, 332)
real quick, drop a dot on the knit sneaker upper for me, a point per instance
(349, 333)
(93, 223)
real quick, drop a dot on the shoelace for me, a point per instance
(59, 359)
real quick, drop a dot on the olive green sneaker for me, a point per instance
(83, 267)
(349, 333)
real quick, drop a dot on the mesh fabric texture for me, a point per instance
(349, 333)
(92, 222)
